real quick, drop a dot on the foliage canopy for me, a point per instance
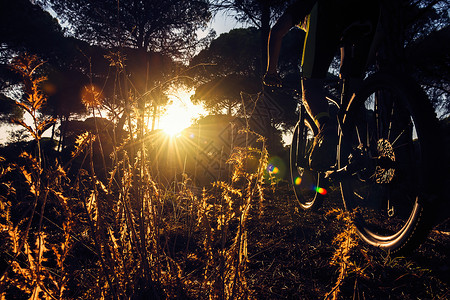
(158, 26)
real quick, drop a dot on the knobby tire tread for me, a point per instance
(428, 125)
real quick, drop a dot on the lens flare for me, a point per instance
(320, 190)
(272, 169)
(297, 181)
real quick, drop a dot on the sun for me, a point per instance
(175, 119)
(180, 113)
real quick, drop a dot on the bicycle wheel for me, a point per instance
(388, 129)
(305, 182)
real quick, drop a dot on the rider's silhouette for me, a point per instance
(326, 22)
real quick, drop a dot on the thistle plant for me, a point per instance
(129, 225)
(32, 185)
(344, 242)
(224, 216)
(29, 68)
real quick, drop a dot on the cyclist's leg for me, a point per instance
(319, 49)
(355, 53)
(321, 43)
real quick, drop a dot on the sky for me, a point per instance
(223, 22)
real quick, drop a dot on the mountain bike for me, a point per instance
(386, 162)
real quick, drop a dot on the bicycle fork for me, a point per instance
(302, 158)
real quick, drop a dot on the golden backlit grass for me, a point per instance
(110, 230)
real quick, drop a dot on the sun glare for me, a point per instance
(180, 113)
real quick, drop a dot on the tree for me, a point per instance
(159, 26)
(8, 107)
(408, 23)
(234, 60)
(27, 27)
(426, 55)
(258, 13)
(413, 31)
(431, 67)
(233, 52)
(224, 95)
(141, 40)
(231, 83)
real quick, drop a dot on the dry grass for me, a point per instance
(112, 231)
(127, 226)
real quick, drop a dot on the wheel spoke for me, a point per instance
(358, 136)
(305, 182)
(385, 189)
(402, 132)
(390, 121)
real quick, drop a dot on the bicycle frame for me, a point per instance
(386, 160)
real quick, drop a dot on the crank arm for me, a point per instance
(338, 175)
(358, 165)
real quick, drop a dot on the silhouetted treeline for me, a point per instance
(146, 36)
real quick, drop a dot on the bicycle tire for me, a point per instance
(305, 182)
(391, 123)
